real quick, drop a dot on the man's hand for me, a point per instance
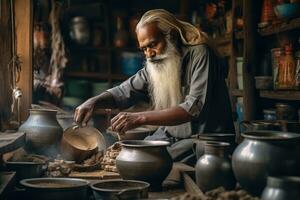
(83, 113)
(125, 121)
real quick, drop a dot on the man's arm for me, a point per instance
(167, 117)
(84, 112)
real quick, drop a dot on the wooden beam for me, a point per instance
(23, 28)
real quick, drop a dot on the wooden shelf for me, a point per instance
(96, 75)
(238, 93)
(281, 95)
(281, 27)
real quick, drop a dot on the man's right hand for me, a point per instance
(83, 112)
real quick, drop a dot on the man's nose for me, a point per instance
(150, 53)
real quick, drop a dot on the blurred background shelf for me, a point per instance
(281, 95)
(96, 75)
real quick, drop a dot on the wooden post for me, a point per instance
(250, 59)
(5, 57)
(23, 28)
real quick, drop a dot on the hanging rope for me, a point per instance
(14, 66)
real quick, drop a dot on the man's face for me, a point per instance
(151, 41)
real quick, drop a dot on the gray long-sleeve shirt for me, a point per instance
(205, 93)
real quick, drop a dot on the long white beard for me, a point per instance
(165, 78)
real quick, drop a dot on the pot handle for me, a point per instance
(129, 191)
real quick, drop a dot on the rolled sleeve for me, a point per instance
(131, 91)
(195, 99)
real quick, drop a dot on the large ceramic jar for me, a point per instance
(43, 132)
(145, 161)
(264, 153)
(213, 169)
(282, 188)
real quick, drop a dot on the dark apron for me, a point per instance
(181, 149)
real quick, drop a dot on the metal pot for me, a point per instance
(78, 143)
(55, 188)
(262, 125)
(79, 30)
(120, 189)
(213, 169)
(264, 153)
(43, 132)
(282, 188)
(198, 145)
(144, 160)
(26, 169)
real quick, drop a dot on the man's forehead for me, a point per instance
(149, 31)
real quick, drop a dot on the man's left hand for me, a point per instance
(125, 121)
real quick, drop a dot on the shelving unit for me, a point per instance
(280, 27)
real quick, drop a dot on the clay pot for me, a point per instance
(282, 188)
(78, 144)
(262, 154)
(213, 169)
(147, 161)
(43, 132)
(213, 137)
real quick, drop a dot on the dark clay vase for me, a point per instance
(262, 154)
(147, 161)
(213, 169)
(43, 132)
(282, 188)
(213, 137)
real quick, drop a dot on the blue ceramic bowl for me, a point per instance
(287, 11)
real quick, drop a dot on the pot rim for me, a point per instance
(24, 163)
(216, 144)
(42, 110)
(209, 135)
(143, 185)
(81, 183)
(270, 135)
(144, 143)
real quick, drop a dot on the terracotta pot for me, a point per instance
(282, 188)
(213, 169)
(78, 144)
(43, 132)
(262, 154)
(145, 161)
